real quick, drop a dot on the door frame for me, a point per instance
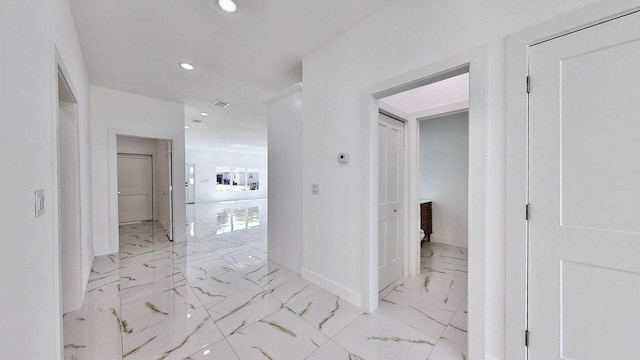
(62, 80)
(175, 172)
(473, 61)
(517, 111)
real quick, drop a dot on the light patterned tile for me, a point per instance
(218, 351)
(265, 273)
(215, 288)
(422, 313)
(451, 346)
(326, 312)
(332, 351)
(174, 338)
(237, 311)
(282, 335)
(291, 288)
(376, 336)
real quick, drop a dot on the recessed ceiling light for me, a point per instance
(186, 66)
(186, 126)
(228, 5)
(204, 113)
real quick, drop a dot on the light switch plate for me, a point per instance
(315, 189)
(39, 203)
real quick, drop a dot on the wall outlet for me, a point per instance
(315, 189)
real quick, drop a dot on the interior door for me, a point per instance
(391, 145)
(170, 167)
(190, 183)
(584, 228)
(135, 188)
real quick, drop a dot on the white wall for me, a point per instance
(444, 173)
(115, 112)
(403, 36)
(284, 129)
(158, 150)
(30, 33)
(206, 163)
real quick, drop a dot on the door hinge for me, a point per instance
(528, 84)
(526, 338)
(527, 210)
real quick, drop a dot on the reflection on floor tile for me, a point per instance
(217, 296)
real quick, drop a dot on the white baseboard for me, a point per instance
(163, 222)
(449, 240)
(333, 287)
(86, 276)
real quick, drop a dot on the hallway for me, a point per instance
(217, 297)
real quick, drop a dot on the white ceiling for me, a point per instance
(446, 92)
(242, 58)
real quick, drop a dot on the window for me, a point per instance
(237, 179)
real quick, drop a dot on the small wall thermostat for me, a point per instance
(343, 158)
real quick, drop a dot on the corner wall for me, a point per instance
(285, 179)
(444, 176)
(34, 36)
(116, 112)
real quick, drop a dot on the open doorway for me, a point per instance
(423, 182)
(69, 197)
(144, 181)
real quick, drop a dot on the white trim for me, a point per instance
(284, 93)
(332, 286)
(447, 240)
(112, 153)
(517, 149)
(444, 110)
(474, 61)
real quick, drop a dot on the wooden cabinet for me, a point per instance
(426, 219)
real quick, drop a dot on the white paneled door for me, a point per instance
(135, 188)
(391, 145)
(584, 227)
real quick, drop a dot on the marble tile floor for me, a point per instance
(217, 296)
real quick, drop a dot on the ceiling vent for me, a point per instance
(196, 121)
(219, 103)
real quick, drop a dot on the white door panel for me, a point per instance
(135, 188)
(584, 231)
(391, 147)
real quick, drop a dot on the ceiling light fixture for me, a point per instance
(228, 5)
(219, 103)
(204, 113)
(186, 66)
(186, 126)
